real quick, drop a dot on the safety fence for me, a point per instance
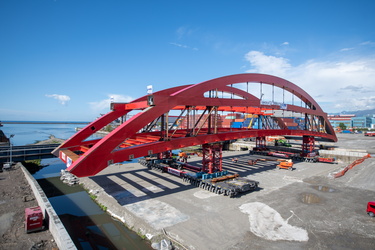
(352, 165)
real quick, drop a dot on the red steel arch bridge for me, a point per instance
(201, 113)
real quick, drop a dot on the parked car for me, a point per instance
(371, 208)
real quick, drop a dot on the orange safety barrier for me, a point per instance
(352, 165)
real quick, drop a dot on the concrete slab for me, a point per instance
(300, 209)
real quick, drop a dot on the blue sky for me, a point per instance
(64, 59)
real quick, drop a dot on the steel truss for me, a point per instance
(199, 122)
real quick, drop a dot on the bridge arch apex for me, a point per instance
(192, 90)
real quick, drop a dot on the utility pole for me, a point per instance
(10, 144)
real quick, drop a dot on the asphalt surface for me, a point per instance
(301, 209)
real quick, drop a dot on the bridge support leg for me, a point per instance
(212, 158)
(308, 146)
(165, 155)
(261, 143)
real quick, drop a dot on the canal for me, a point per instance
(87, 224)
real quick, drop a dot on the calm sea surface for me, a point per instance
(30, 133)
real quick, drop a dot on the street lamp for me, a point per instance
(10, 143)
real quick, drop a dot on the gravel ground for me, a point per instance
(15, 196)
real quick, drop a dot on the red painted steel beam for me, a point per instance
(160, 146)
(106, 151)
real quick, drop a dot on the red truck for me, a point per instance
(371, 208)
(369, 134)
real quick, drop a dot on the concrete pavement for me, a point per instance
(300, 209)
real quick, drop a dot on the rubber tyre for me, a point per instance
(371, 214)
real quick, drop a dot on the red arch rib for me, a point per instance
(101, 153)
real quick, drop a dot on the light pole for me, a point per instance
(10, 143)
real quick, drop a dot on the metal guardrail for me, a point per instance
(27, 152)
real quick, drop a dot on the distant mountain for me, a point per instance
(368, 112)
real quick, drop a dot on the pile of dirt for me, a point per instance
(52, 140)
(15, 196)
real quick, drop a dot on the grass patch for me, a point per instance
(93, 197)
(32, 166)
(140, 234)
(104, 208)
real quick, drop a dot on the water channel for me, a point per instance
(88, 225)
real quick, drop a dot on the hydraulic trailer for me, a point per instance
(219, 182)
(293, 156)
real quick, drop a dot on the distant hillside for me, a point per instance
(369, 112)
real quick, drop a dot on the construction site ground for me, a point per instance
(301, 209)
(15, 196)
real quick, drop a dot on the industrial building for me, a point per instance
(351, 121)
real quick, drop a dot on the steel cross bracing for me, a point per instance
(212, 158)
(202, 108)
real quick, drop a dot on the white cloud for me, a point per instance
(337, 85)
(63, 99)
(285, 43)
(180, 45)
(183, 31)
(267, 64)
(370, 43)
(183, 46)
(346, 49)
(105, 104)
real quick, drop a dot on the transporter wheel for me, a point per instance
(371, 214)
(290, 168)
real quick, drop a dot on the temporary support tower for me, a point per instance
(165, 155)
(261, 142)
(308, 145)
(212, 158)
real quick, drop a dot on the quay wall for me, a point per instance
(55, 226)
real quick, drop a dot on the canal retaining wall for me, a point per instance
(55, 226)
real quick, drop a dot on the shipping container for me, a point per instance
(293, 127)
(236, 125)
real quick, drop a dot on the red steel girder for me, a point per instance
(126, 142)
